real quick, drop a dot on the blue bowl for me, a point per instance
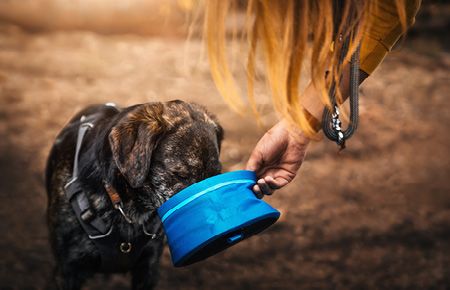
(212, 215)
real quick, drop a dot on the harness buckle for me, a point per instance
(87, 216)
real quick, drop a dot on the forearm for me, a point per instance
(311, 98)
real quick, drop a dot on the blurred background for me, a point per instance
(375, 216)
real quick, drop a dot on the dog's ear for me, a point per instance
(133, 140)
(219, 134)
(217, 128)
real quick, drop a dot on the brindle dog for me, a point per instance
(147, 153)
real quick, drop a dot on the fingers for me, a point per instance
(276, 183)
(257, 191)
(267, 185)
(264, 187)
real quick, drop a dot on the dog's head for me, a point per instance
(160, 148)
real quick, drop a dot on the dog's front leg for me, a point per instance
(67, 279)
(146, 272)
(145, 276)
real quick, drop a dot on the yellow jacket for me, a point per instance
(383, 32)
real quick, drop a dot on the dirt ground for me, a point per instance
(376, 216)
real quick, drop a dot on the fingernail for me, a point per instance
(257, 191)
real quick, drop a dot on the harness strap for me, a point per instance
(92, 224)
(81, 132)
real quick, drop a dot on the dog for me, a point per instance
(128, 162)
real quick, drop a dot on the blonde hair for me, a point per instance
(290, 31)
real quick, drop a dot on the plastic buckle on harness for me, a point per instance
(87, 215)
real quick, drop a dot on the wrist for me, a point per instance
(312, 103)
(294, 133)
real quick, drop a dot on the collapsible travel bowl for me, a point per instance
(212, 215)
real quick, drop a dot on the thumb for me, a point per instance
(255, 162)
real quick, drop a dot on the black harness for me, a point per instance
(118, 254)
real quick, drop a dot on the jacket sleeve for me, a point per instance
(383, 31)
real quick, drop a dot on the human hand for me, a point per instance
(276, 158)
